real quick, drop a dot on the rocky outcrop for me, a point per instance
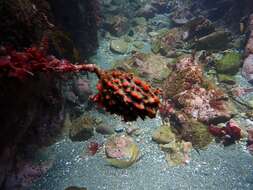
(192, 103)
(194, 95)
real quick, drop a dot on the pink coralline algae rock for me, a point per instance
(121, 151)
(194, 95)
(201, 104)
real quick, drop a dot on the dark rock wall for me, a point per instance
(79, 19)
(32, 111)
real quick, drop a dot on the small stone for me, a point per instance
(250, 102)
(121, 151)
(138, 44)
(163, 134)
(81, 128)
(119, 46)
(119, 130)
(132, 131)
(152, 34)
(104, 129)
(139, 21)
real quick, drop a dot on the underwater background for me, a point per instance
(126, 94)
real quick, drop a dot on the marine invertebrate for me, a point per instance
(119, 92)
(124, 94)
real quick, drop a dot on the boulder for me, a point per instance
(196, 96)
(151, 67)
(215, 41)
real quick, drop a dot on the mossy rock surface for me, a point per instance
(228, 79)
(197, 133)
(163, 134)
(229, 64)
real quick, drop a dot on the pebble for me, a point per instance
(119, 130)
(105, 129)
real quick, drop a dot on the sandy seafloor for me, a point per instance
(216, 168)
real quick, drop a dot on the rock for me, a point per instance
(181, 15)
(159, 22)
(133, 131)
(250, 140)
(117, 25)
(147, 11)
(121, 151)
(139, 21)
(229, 64)
(183, 77)
(104, 129)
(119, 46)
(150, 67)
(119, 129)
(177, 153)
(250, 103)
(76, 188)
(208, 106)
(228, 79)
(191, 130)
(81, 128)
(70, 96)
(214, 41)
(163, 135)
(138, 44)
(161, 6)
(153, 34)
(195, 96)
(249, 45)
(247, 68)
(179, 21)
(198, 28)
(82, 88)
(167, 40)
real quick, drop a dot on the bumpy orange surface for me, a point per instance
(124, 94)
